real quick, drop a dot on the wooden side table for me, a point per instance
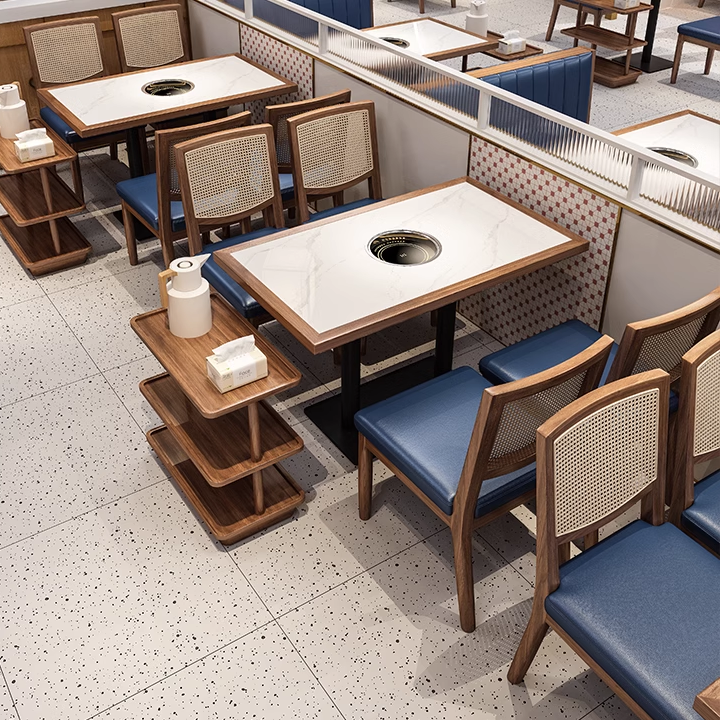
(221, 449)
(38, 203)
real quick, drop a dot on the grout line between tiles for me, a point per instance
(12, 699)
(52, 389)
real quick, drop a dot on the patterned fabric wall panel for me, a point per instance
(572, 288)
(280, 58)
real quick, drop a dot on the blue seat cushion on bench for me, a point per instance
(707, 29)
(702, 518)
(342, 209)
(357, 13)
(425, 432)
(141, 194)
(645, 605)
(58, 125)
(240, 299)
(287, 186)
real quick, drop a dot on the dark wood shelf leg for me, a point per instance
(256, 455)
(47, 194)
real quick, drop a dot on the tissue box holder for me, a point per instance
(510, 46)
(36, 146)
(227, 375)
(625, 4)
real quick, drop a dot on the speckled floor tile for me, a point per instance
(125, 379)
(40, 351)
(612, 709)
(395, 630)
(99, 314)
(16, 284)
(7, 709)
(260, 676)
(66, 452)
(102, 606)
(327, 543)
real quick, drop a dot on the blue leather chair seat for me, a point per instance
(645, 605)
(707, 29)
(241, 300)
(342, 208)
(56, 123)
(425, 432)
(545, 350)
(287, 187)
(141, 194)
(702, 518)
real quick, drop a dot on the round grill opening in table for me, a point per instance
(677, 155)
(168, 87)
(404, 247)
(399, 42)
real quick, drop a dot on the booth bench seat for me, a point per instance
(356, 13)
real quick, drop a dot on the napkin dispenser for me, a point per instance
(626, 4)
(511, 43)
(13, 112)
(33, 145)
(236, 363)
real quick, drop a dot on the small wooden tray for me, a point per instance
(184, 359)
(228, 511)
(9, 160)
(220, 448)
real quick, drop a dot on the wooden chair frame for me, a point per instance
(197, 228)
(682, 39)
(28, 30)
(554, 550)
(164, 141)
(478, 465)
(683, 480)
(305, 195)
(597, 14)
(182, 22)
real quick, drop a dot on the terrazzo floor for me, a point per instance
(650, 97)
(116, 603)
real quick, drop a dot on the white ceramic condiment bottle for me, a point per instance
(13, 112)
(477, 19)
(186, 297)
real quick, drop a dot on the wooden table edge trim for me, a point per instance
(707, 702)
(665, 118)
(319, 342)
(88, 131)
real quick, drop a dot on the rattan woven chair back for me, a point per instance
(698, 437)
(150, 37)
(277, 116)
(333, 149)
(65, 51)
(662, 341)
(227, 177)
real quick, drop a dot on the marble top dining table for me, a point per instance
(117, 102)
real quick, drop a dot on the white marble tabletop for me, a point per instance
(119, 98)
(428, 36)
(324, 274)
(697, 136)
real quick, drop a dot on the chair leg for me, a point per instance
(113, 151)
(709, 60)
(130, 239)
(530, 644)
(462, 550)
(421, 6)
(701, 3)
(168, 251)
(676, 60)
(553, 20)
(365, 477)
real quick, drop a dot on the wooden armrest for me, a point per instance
(528, 62)
(707, 702)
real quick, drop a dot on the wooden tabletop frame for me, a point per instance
(319, 342)
(127, 123)
(664, 118)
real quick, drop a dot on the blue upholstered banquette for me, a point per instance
(356, 13)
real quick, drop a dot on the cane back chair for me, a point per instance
(466, 448)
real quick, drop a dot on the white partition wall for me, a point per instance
(212, 33)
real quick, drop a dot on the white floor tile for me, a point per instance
(612, 709)
(40, 351)
(16, 284)
(395, 630)
(101, 607)
(7, 709)
(66, 452)
(99, 314)
(260, 676)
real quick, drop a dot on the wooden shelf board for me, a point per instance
(529, 51)
(184, 359)
(608, 6)
(22, 196)
(34, 248)
(10, 163)
(603, 37)
(228, 511)
(220, 448)
(612, 74)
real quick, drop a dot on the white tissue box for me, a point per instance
(626, 4)
(34, 149)
(510, 46)
(230, 374)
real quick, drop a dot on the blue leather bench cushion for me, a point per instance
(241, 300)
(56, 123)
(357, 13)
(702, 518)
(425, 432)
(342, 209)
(707, 29)
(141, 194)
(645, 605)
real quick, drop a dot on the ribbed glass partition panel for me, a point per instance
(284, 19)
(404, 71)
